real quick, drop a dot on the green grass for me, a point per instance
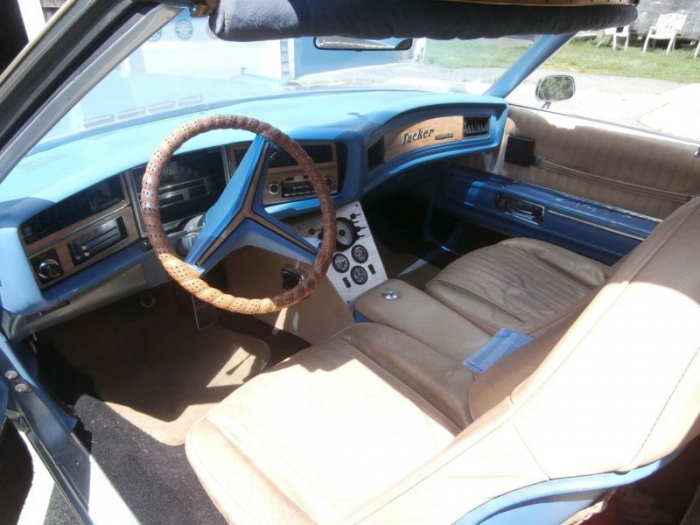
(579, 56)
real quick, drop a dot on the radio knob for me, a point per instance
(49, 269)
(329, 181)
(273, 188)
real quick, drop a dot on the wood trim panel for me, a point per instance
(429, 132)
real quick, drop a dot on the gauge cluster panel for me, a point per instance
(79, 231)
(356, 266)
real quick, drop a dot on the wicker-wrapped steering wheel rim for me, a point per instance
(187, 275)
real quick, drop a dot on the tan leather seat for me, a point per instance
(323, 433)
(371, 426)
(520, 283)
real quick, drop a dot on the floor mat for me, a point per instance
(145, 352)
(155, 480)
(152, 366)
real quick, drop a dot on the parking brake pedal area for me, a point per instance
(204, 314)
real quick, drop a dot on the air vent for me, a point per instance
(87, 203)
(375, 155)
(476, 126)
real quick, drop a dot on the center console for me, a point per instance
(356, 266)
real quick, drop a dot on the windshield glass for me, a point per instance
(184, 67)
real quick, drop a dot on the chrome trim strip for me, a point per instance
(598, 226)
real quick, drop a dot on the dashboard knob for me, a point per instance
(49, 269)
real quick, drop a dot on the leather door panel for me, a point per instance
(630, 169)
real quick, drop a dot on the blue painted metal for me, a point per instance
(354, 117)
(250, 232)
(48, 421)
(4, 397)
(553, 501)
(359, 318)
(540, 51)
(591, 229)
(230, 202)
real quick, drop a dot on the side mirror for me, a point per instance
(555, 88)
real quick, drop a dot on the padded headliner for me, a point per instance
(246, 20)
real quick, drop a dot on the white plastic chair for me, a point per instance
(618, 32)
(667, 27)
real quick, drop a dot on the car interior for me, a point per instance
(464, 310)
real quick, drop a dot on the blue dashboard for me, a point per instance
(77, 200)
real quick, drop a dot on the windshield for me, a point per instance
(184, 67)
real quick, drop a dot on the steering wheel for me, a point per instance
(246, 209)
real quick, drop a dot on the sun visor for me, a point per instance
(246, 20)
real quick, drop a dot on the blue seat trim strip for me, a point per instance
(575, 493)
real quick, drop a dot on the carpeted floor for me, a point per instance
(135, 376)
(154, 367)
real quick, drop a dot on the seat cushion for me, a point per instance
(519, 283)
(310, 441)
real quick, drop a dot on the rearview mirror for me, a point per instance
(555, 88)
(344, 43)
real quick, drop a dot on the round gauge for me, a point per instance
(359, 253)
(359, 275)
(340, 263)
(346, 234)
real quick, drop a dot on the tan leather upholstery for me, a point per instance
(631, 169)
(293, 445)
(522, 284)
(372, 426)
(422, 317)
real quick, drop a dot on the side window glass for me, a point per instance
(653, 90)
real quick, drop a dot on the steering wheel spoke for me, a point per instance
(238, 218)
(240, 204)
(233, 206)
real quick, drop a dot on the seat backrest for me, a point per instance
(621, 385)
(613, 390)
(618, 31)
(669, 24)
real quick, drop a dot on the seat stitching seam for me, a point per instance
(631, 275)
(213, 478)
(237, 439)
(668, 400)
(402, 383)
(566, 275)
(453, 286)
(446, 462)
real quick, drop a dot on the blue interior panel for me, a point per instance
(589, 228)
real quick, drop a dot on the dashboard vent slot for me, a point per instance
(476, 126)
(68, 212)
(375, 155)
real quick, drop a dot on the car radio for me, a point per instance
(280, 187)
(286, 181)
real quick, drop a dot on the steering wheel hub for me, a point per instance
(188, 275)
